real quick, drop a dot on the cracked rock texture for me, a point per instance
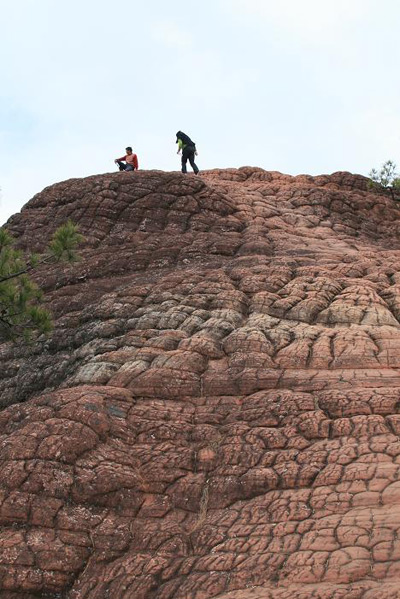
(217, 414)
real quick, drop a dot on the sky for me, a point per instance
(296, 86)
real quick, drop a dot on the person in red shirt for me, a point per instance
(129, 162)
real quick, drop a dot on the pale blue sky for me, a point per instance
(299, 86)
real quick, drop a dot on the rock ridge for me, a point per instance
(217, 413)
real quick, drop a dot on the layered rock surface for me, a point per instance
(217, 413)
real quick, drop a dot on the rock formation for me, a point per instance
(217, 414)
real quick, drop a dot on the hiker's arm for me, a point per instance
(135, 162)
(180, 144)
(120, 159)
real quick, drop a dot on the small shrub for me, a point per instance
(387, 179)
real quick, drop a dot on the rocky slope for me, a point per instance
(217, 413)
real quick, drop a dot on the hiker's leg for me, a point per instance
(121, 165)
(192, 163)
(184, 161)
(129, 167)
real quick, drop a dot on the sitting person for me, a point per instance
(129, 162)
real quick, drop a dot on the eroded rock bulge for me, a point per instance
(218, 411)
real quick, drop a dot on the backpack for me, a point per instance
(185, 139)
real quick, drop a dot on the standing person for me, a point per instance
(130, 159)
(189, 151)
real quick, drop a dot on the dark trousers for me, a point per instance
(188, 154)
(124, 167)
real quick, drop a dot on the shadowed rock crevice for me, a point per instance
(217, 411)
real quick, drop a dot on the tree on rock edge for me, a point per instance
(21, 313)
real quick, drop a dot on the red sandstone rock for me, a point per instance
(217, 413)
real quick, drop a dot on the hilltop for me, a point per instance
(217, 411)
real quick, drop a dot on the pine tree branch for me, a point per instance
(30, 267)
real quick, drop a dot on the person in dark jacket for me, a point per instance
(188, 148)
